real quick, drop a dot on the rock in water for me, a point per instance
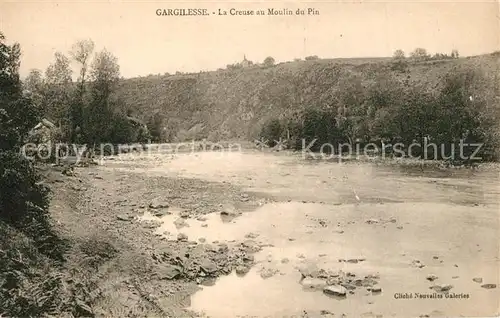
(441, 288)
(376, 289)
(477, 280)
(242, 270)
(431, 277)
(182, 237)
(335, 290)
(266, 273)
(313, 283)
(180, 223)
(489, 286)
(309, 270)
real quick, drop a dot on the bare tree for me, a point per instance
(81, 53)
(399, 54)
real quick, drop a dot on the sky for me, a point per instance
(145, 43)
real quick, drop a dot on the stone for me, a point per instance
(441, 288)
(180, 223)
(348, 286)
(169, 272)
(285, 260)
(248, 258)
(335, 290)
(431, 277)
(477, 280)
(251, 235)
(123, 217)
(417, 263)
(158, 203)
(242, 270)
(313, 283)
(204, 225)
(489, 286)
(160, 213)
(309, 270)
(251, 246)
(182, 237)
(266, 273)
(208, 266)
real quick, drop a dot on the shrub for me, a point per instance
(271, 131)
(311, 58)
(268, 61)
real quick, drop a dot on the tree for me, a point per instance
(419, 54)
(104, 75)
(81, 53)
(34, 86)
(58, 90)
(399, 55)
(454, 54)
(269, 61)
(18, 114)
(34, 81)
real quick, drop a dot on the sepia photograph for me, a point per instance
(251, 159)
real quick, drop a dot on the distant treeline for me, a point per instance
(392, 111)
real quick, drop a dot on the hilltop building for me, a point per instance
(245, 62)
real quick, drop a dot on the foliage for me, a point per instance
(419, 54)
(311, 58)
(155, 125)
(271, 131)
(269, 61)
(24, 218)
(399, 54)
(80, 53)
(391, 110)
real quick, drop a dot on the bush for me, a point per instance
(269, 61)
(271, 132)
(311, 58)
(24, 203)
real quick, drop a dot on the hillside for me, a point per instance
(233, 104)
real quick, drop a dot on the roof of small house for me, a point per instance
(45, 123)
